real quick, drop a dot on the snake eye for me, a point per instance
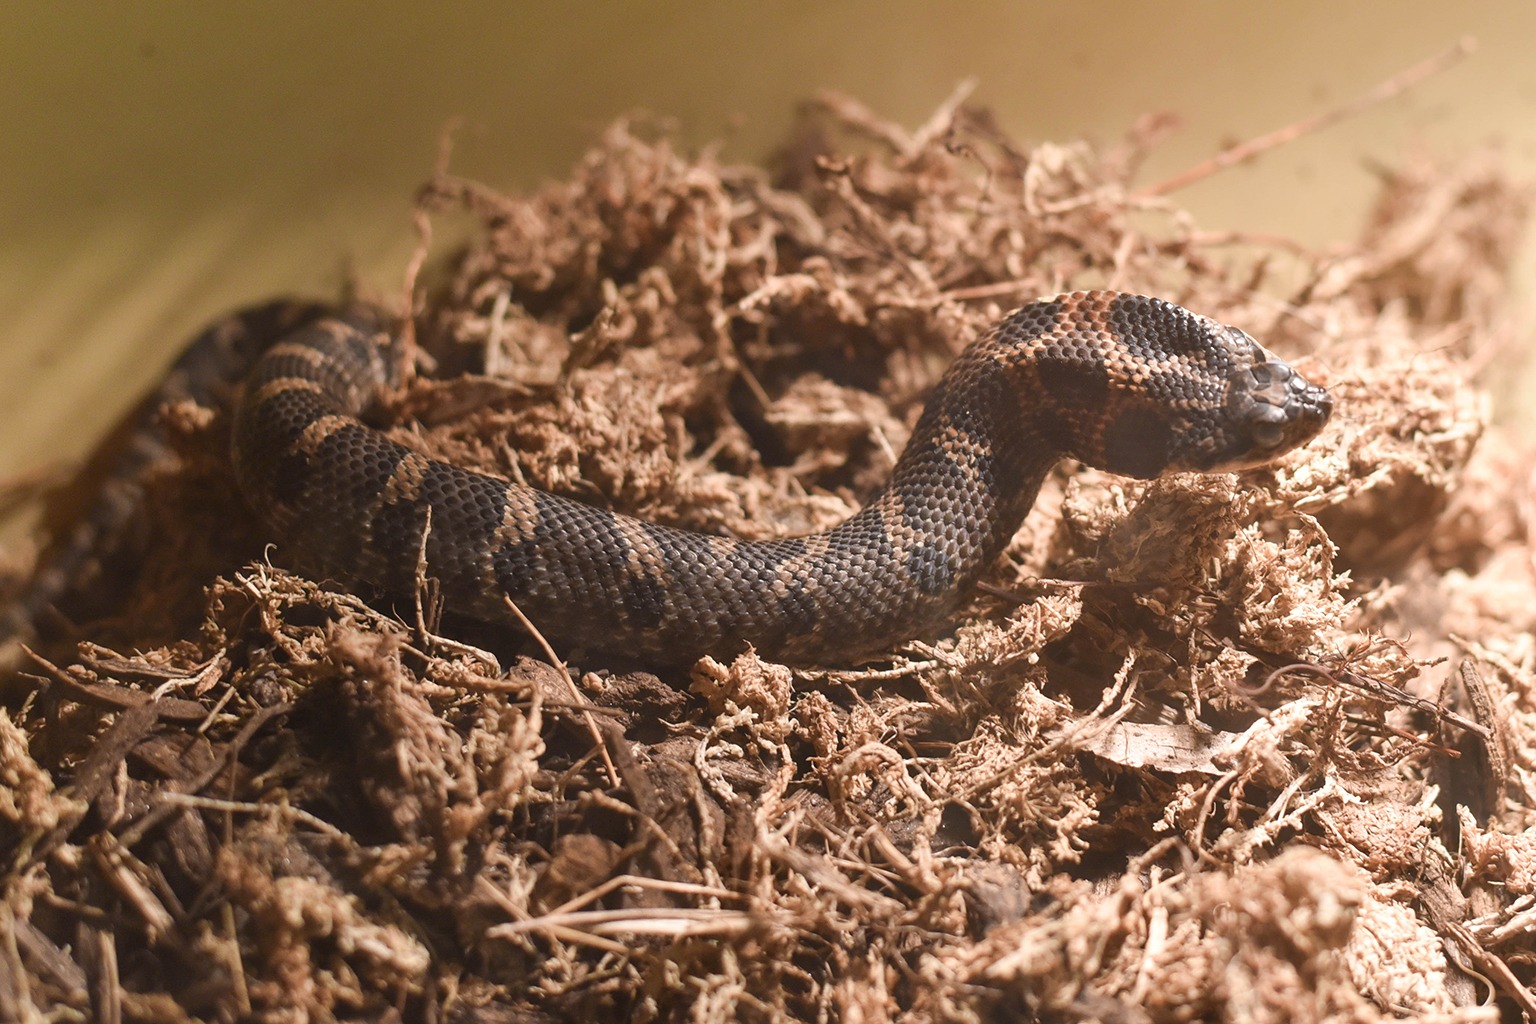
(1267, 433)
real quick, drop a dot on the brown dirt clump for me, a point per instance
(1231, 748)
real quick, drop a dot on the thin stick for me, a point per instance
(421, 219)
(577, 697)
(1397, 84)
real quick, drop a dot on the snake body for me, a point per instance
(1128, 383)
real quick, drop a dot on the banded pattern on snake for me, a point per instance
(1127, 383)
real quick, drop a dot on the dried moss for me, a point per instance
(1179, 760)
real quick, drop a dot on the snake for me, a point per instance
(1131, 384)
(1128, 383)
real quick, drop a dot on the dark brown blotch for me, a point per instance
(1076, 383)
(798, 611)
(1137, 441)
(467, 511)
(515, 563)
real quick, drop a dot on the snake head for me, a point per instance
(1270, 408)
(1226, 404)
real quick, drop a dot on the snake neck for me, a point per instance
(959, 491)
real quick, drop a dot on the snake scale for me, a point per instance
(1127, 383)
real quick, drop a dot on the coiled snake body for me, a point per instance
(1127, 383)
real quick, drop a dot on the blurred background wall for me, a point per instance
(161, 163)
